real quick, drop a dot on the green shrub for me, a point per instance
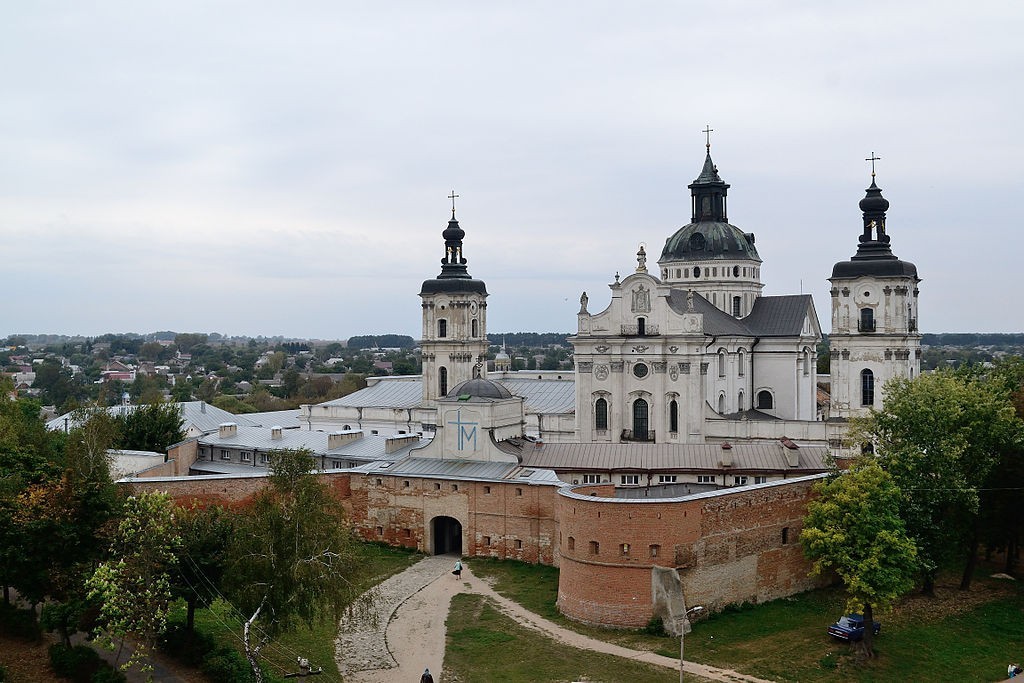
(19, 623)
(108, 674)
(656, 627)
(77, 663)
(188, 647)
(225, 665)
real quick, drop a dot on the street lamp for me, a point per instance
(682, 632)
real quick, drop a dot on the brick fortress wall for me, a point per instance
(729, 546)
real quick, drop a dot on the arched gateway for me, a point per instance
(446, 535)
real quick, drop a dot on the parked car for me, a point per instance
(851, 627)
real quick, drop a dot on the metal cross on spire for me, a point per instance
(873, 159)
(452, 197)
(708, 130)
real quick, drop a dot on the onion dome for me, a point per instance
(454, 276)
(874, 257)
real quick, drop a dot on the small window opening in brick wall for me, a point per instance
(405, 484)
(380, 482)
(455, 487)
(624, 548)
(519, 492)
(437, 487)
(519, 544)
(408, 533)
(595, 547)
(785, 535)
(380, 531)
(572, 543)
(487, 540)
(487, 490)
(655, 550)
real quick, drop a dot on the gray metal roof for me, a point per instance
(260, 438)
(198, 414)
(779, 316)
(544, 396)
(464, 470)
(280, 418)
(771, 316)
(654, 457)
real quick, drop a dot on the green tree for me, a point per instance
(133, 587)
(151, 427)
(854, 528)
(206, 534)
(939, 436)
(294, 558)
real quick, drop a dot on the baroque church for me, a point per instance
(687, 437)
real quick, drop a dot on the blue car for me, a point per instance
(851, 627)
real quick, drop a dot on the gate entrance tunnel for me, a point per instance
(446, 534)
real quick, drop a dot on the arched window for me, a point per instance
(442, 381)
(867, 320)
(807, 362)
(741, 359)
(867, 388)
(600, 414)
(673, 416)
(640, 419)
(721, 404)
(474, 327)
(442, 328)
(739, 401)
(721, 362)
(736, 302)
(764, 400)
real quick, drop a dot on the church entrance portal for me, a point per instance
(447, 535)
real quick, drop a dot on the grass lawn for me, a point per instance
(954, 636)
(484, 646)
(317, 643)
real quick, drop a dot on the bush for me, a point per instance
(225, 665)
(188, 647)
(655, 627)
(108, 674)
(78, 663)
(19, 623)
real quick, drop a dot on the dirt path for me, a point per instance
(410, 633)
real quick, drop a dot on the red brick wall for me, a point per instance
(728, 548)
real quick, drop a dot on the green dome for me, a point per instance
(708, 240)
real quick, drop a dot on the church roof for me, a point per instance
(771, 316)
(541, 396)
(454, 276)
(660, 457)
(708, 240)
(874, 257)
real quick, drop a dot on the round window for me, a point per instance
(697, 242)
(640, 370)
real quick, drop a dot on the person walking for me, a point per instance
(426, 677)
(458, 569)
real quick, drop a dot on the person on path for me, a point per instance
(426, 677)
(458, 569)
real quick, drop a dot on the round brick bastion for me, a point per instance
(729, 545)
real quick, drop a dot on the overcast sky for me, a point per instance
(277, 168)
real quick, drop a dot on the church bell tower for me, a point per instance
(875, 331)
(454, 343)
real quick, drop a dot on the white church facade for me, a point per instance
(688, 352)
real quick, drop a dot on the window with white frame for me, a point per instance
(264, 458)
(739, 481)
(246, 456)
(705, 479)
(760, 480)
(667, 478)
(630, 479)
(225, 455)
(591, 478)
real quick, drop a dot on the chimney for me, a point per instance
(337, 439)
(226, 430)
(275, 432)
(791, 451)
(394, 443)
(726, 454)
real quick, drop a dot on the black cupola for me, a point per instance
(874, 257)
(708, 193)
(454, 276)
